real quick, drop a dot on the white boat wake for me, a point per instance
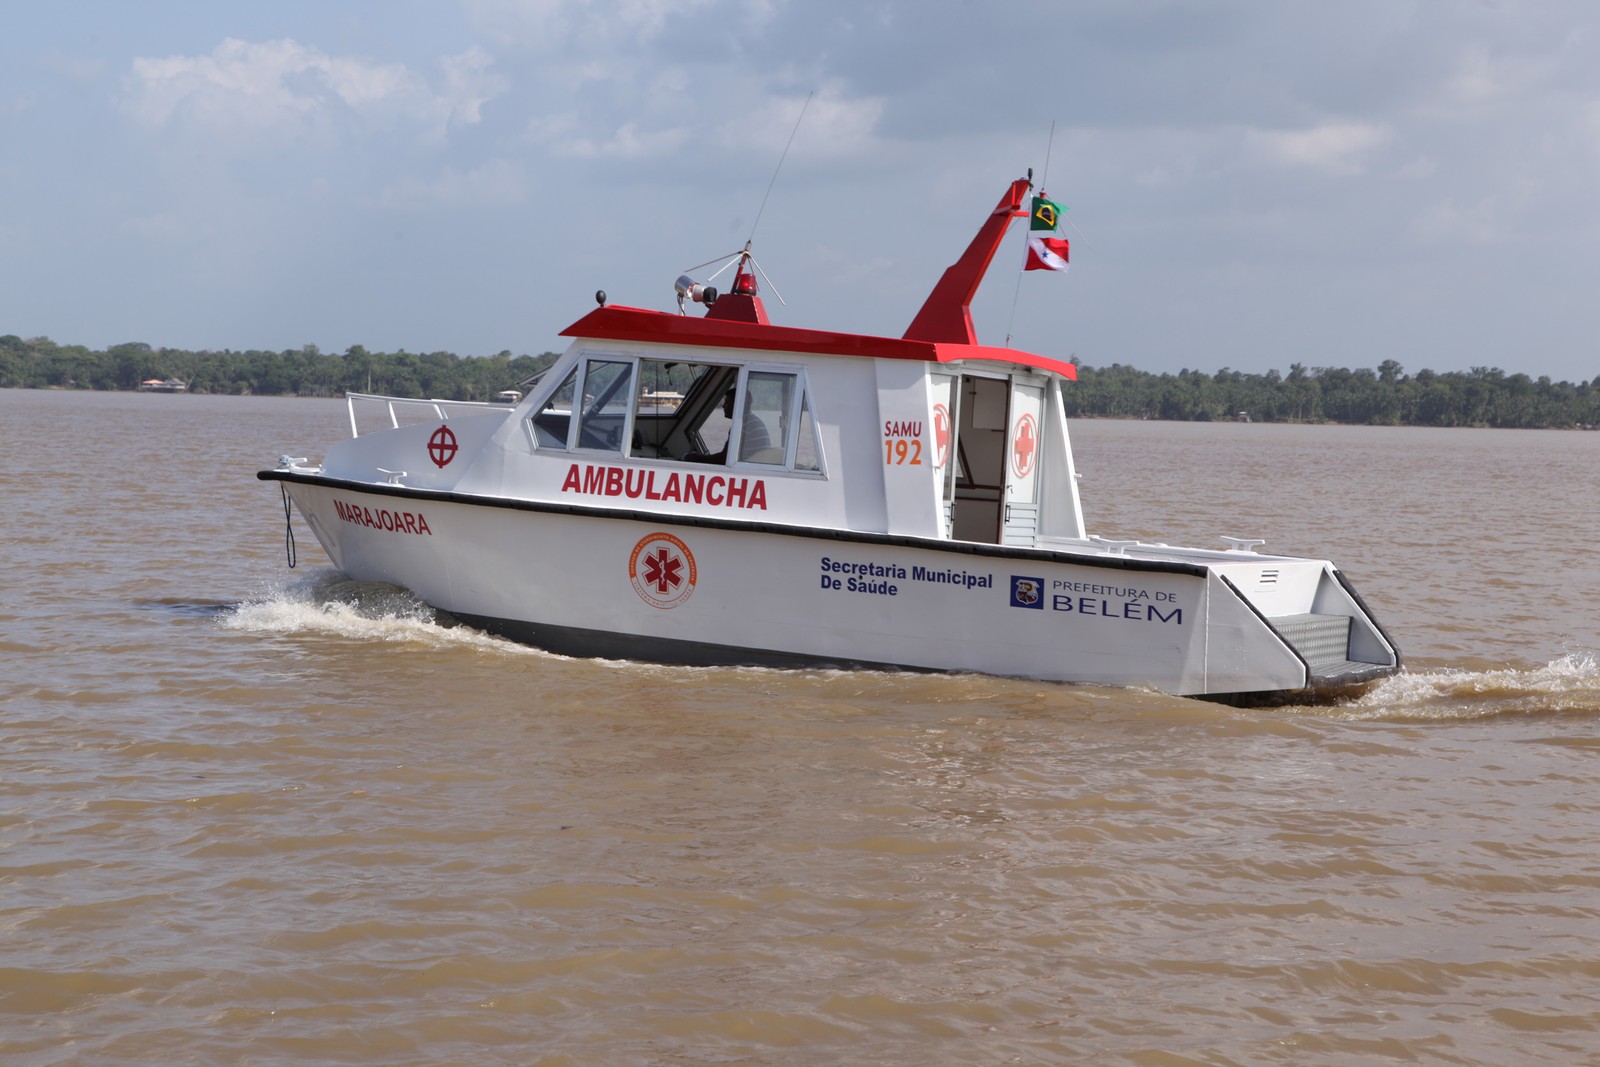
(1568, 685)
(328, 603)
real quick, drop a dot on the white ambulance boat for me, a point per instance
(809, 498)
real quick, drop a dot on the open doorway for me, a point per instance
(978, 483)
(991, 494)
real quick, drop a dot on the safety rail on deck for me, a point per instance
(440, 409)
(1241, 549)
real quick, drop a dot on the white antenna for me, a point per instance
(689, 289)
(779, 167)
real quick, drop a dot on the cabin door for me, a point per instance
(1024, 452)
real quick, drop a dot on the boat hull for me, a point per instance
(620, 584)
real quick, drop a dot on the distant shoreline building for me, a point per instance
(163, 385)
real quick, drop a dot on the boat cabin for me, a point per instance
(970, 452)
(925, 435)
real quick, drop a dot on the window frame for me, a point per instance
(800, 403)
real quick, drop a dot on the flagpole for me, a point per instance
(1044, 183)
(1044, 178)
(1014, 298)
(1017, 294)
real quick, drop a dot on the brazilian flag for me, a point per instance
(1046, 214)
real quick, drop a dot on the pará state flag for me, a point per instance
(1046, 253)
(1046, 214)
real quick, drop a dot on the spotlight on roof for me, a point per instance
(689, 289)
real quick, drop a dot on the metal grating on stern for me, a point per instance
(1322, 640)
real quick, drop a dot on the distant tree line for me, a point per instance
(1482, 396)
(40, 363)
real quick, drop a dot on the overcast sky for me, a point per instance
(1248, 184)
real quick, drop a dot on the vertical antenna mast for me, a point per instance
(742, 303)
(775, 170)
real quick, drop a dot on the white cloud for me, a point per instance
(627, 141)
(470, 83)
(546, 25)
(1340, 147)
(497, 184)
(1419, 169)
(525, 23)
(1482, 78)
(834, 124)
(1448, 222)
(244, 89)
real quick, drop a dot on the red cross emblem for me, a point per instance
(941, 433)
(442, 446)
(1024, 446)
(662, 570)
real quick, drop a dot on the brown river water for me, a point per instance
(254, 815)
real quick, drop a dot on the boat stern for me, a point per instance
(1299, 619)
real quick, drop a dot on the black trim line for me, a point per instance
(604, 644)
(969, 548)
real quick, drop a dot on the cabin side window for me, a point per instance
(765, 417)
(713, 413)
(554, 420)
(678, 413)
(607, 396)
(807, 457)
(776, 427)
(774, 421)
(773, 405)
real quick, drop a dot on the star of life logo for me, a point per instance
(1027, 592)
(662, 570)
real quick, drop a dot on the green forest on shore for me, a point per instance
(1387, 395)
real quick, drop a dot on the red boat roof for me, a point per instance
(659, 327)
(941, 333)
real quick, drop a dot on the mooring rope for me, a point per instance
(288, 526)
